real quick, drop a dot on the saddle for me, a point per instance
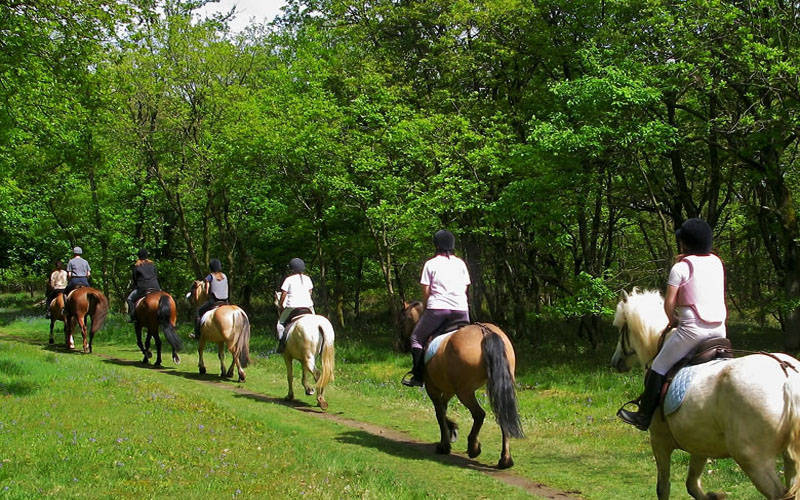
(295, 315)
(146, 293)
(707, 350)
(449, 327)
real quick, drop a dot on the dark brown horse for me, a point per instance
(461, 362)
(56, 306)
(154, 310)
(82, 303)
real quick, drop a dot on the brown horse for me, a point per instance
(226, 325)
(157, 309)
(56, 306)
(83, 302)
(461, 362)
(409, 316)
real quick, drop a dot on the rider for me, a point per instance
(216, 287)
(55, 285)
(695, 307)
(295, 292)
(145, 280)
(78, 271)
(445, 280)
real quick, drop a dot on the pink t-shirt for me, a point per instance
(447, 278)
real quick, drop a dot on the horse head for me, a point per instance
(277, 300)
(197, 293)
(640, 318)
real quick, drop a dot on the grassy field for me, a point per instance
(74, 425)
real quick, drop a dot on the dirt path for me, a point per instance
(427, 449)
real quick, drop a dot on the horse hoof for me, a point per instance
(52, 341)
(442, 449)
(145, 361)
(176, 359)
(717, 496)
(309, 392)
(148, 354)
(322, 404)
(505, 464)
(289, 397)
(474, 451)
(158, 365)
(202, 370)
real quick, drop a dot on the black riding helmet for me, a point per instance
(696, 236)
(215, 265)
(297, 265)
(444, 241)
(142, 254)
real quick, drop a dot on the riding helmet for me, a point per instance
(444, 241)
(297, 265)
(696, 236)
(215, 265)
(77, 251)
(142, 254)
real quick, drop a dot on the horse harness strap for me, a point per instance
(782, 363)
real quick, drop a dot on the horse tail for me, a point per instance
(98, 303)
(500, 385)
(327, 351)
(243, 339)
(164, 315)
(791, 394)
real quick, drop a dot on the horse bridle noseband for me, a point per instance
(625, 341)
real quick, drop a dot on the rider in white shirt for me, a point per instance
(295, 293)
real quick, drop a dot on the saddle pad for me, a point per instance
(681, 383)
(434, 344)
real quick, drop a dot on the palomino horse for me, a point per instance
(746, 408)
(409, 316)
(464, 361)
(153, 310)
(56, 306)
(226, 325)
(309, 336)
(82, 302)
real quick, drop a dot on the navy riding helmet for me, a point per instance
(444, 241)
(297, 265)
(215, 265)
(696, 236)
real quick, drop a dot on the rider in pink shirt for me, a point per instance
(695, 306)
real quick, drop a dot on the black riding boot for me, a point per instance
(648, 402)
(282, 343)
(196, 328)
(416, 379)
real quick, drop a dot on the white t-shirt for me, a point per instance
(298, 291)
(447, 278)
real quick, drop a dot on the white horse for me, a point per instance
(309, 336)
(746, 408)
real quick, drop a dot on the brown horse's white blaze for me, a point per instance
(157, 309)
(747, 408)
(56, 306)
(475, 355)
(81, 303)
(308, 337)
(226, 325)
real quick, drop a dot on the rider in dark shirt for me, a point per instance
(145, 280)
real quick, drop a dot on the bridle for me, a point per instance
(625, 341)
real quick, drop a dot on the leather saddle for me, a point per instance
(447, 327)
(707, 350)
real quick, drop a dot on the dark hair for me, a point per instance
(696, 236)
(58, 264)
(142, 254)
(215, 265)
(444, 241)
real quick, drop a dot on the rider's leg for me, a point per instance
(132, 297)
(430, 321)
(281, 328)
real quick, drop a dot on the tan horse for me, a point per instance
(157, 309)
(56, 306)
(476, 355)
(409, 316)
(81, 303)
(747, 408)
(307, 337)
(226, 325)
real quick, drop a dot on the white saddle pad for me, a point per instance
(434, 345)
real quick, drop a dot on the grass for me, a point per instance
(78, 425)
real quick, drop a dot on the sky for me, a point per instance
(246, 10)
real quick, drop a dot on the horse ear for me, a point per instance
(624, 296)
(405, 305)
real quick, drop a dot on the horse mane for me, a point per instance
(643, 311)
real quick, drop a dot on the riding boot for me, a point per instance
(416, 379)
(648, 402)
(281, 345)
(196, 334)
(281, 328)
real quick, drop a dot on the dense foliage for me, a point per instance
(561, 141)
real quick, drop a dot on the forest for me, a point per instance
(562, 141)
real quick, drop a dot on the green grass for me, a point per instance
(79, 425)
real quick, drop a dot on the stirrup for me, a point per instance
(411, 381)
